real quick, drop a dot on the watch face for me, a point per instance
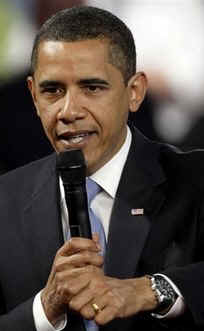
(165, 288)
(165, 294)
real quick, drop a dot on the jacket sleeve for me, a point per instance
(18, 319)
(190, 278)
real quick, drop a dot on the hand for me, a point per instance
(66, 279)
(116, 298)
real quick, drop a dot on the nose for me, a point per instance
(70, 109)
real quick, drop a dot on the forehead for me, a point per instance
(78, 57)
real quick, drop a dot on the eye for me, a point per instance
(94, 89)
(52, 90)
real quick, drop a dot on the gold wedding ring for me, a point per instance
(95, 307)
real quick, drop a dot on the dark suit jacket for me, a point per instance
(168, 238)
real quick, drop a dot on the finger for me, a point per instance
(95, 238)
(87, 272)
(89, 294)
(75, 285)
(78, 260)
(70, 288)
(105, 315)
(101, 301)
(89, 311)
(81, 299)
(75, 245)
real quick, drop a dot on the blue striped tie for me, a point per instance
(96, 226)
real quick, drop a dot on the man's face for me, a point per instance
(82, 100)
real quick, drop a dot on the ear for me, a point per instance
(137, 87)
(31, 87)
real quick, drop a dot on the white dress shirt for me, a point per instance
(108, 178)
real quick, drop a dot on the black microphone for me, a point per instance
(72, 169)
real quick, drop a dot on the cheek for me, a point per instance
(48, 120)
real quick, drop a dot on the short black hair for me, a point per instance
(85, 22)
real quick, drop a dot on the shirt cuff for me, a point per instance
(179, 306)
(40, 319)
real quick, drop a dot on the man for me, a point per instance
(83, 84)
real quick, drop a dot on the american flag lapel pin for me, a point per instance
(137, 211)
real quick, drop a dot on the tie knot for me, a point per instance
(92, 189)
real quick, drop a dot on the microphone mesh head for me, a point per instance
(71, 166)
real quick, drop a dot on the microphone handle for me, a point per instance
(76, 201)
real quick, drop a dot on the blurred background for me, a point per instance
(169, 37)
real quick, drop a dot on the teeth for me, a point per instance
(77, 139)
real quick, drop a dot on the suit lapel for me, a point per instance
(42, 222)
(139, 189)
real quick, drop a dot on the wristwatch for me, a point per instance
(165, 294)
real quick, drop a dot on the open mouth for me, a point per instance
(75, 138)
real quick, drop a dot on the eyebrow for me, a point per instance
(90, 81)
(86, 81)
(46, 83)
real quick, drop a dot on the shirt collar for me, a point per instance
(108, 176)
